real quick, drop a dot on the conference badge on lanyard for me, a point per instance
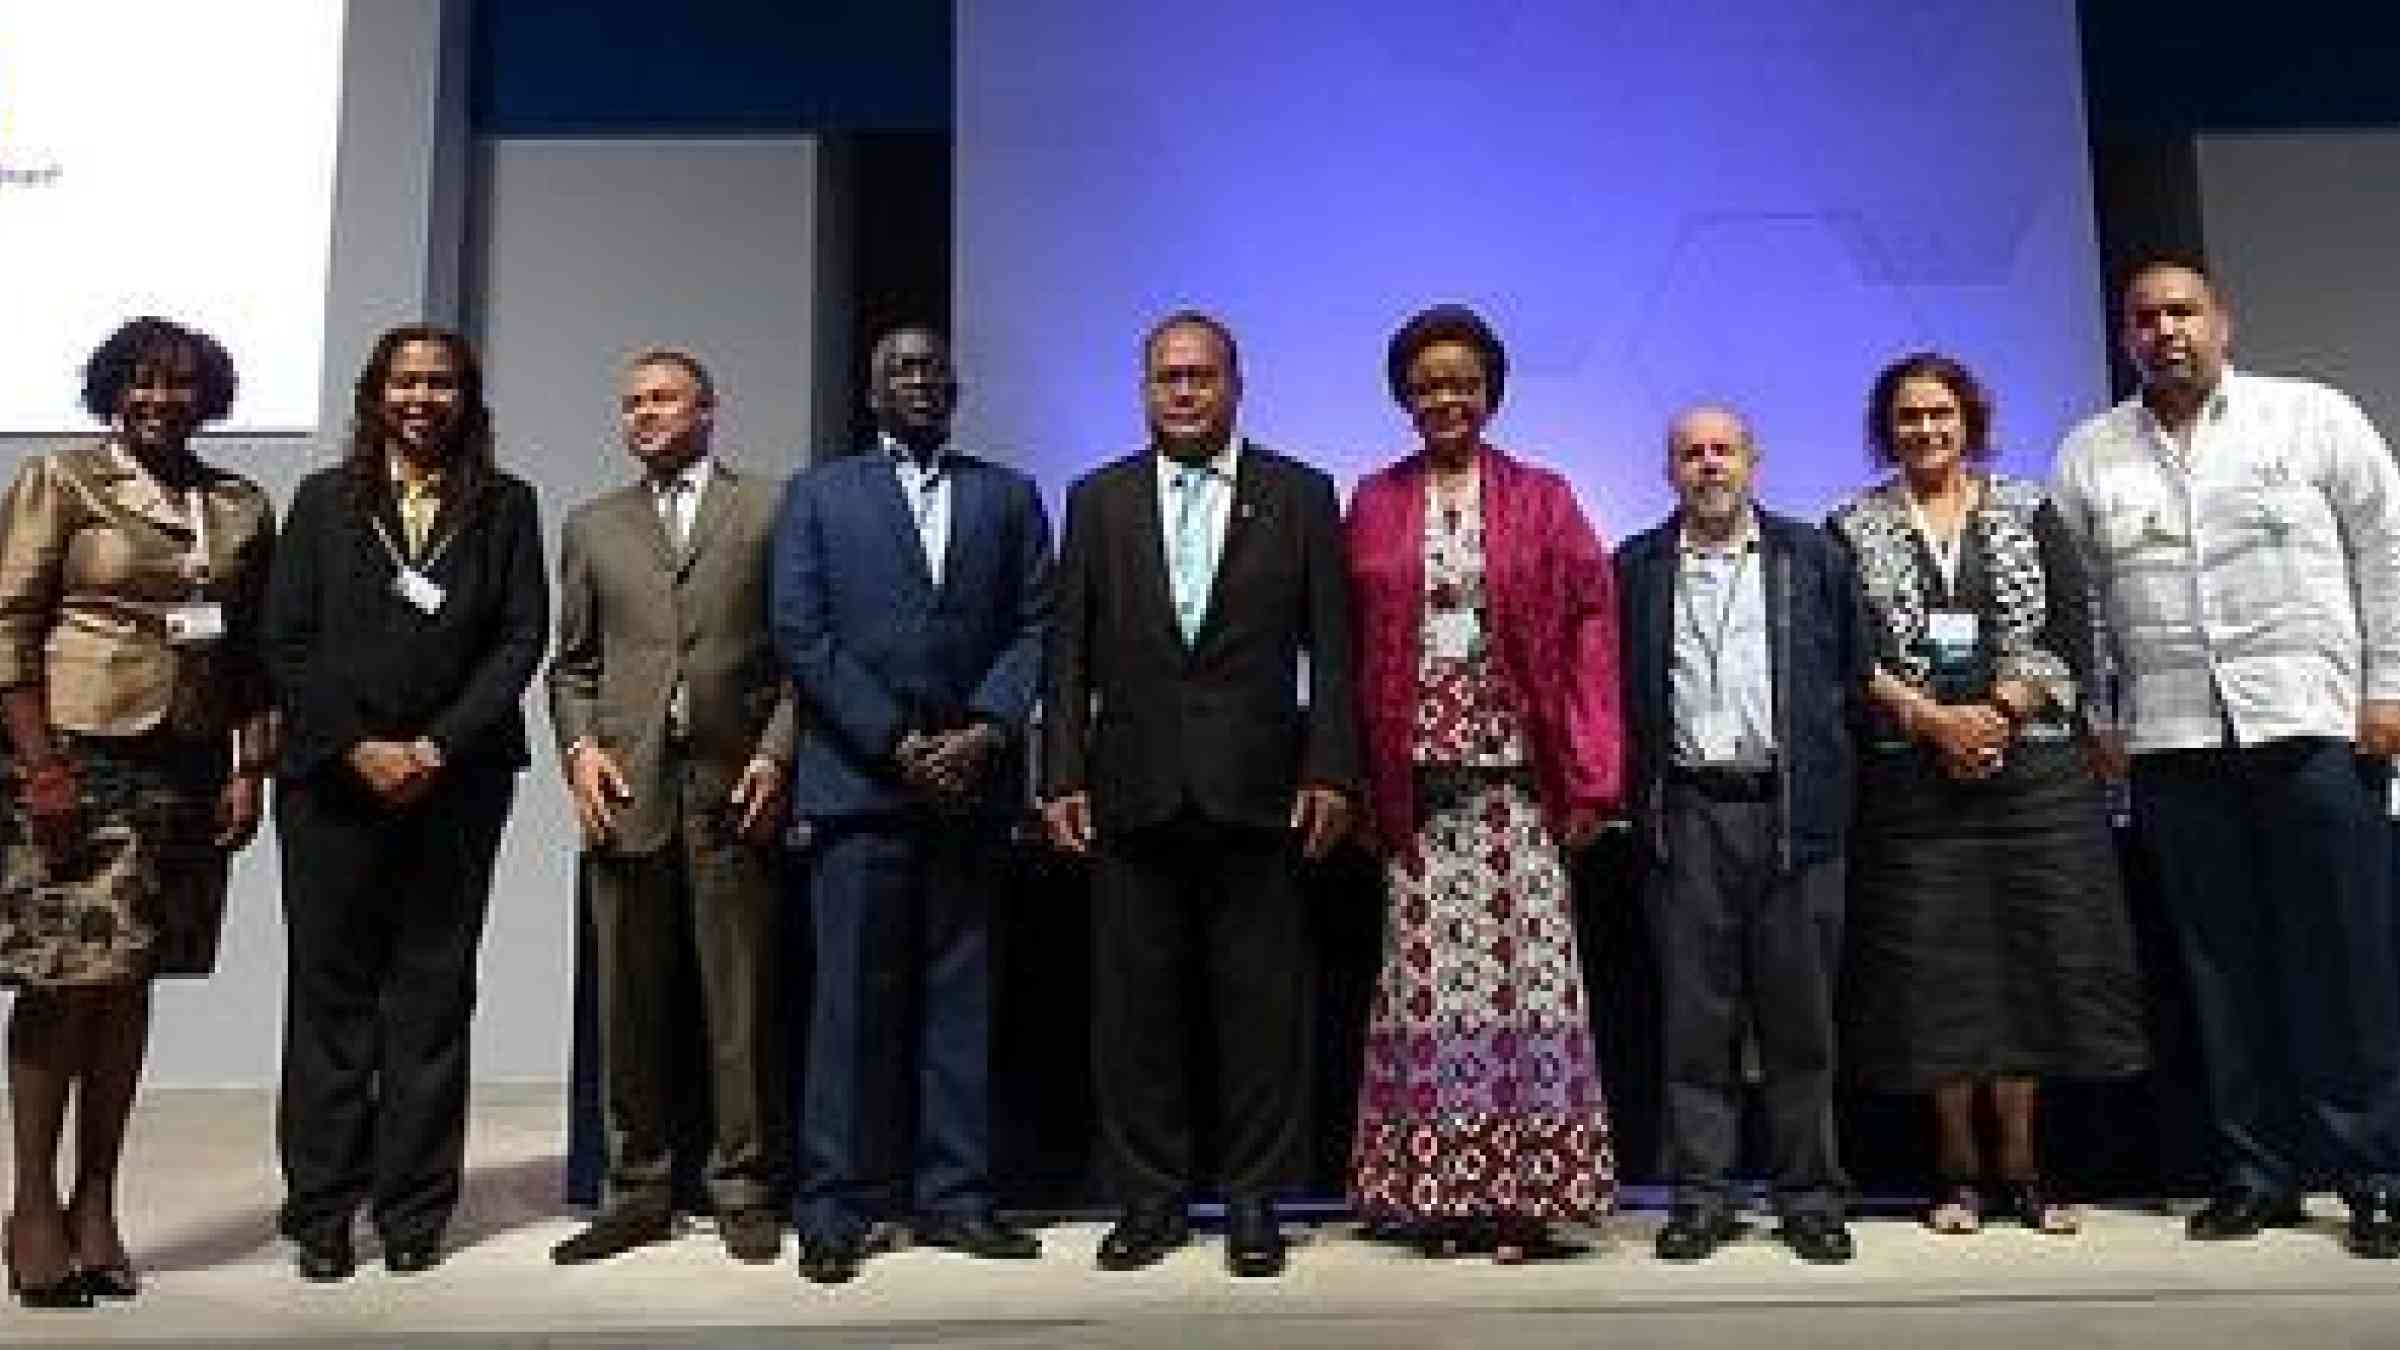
(419, 590)
(190, 623)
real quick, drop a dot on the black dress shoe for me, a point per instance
(2375, 1225)
(2241, 1213)
(325, 1260)
(831, 1260)
(1254, 1245)
(1694, 1234)
(752, 1234)
(411, 1256)
(1819, 1238)
(1143, 1235)
(979, 1235)
(614, 1233)
(113, 1282)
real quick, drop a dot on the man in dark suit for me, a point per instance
(1746, 657)
(911, 590)
(674, 727)
(1180, 748)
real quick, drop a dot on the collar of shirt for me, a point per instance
(906, 454)
(2212, 409)
(412, 482)
(1743, 539)
(1219, 466)
(692, 478)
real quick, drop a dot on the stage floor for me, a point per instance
(204, 1190)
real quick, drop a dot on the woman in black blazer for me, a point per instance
(405, 616)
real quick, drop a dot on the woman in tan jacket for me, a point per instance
(136, 708)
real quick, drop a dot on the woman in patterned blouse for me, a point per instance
(1488, 688)
(1989, 946)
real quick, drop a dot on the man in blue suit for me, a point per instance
(911, 591)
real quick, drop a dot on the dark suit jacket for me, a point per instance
(352, 660)
(876, 650)
(1150, 727)
(1820, 652)
(635, 617)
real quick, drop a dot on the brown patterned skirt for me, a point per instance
(143, 892)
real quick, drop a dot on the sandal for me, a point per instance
(1522, 1240)
(1957, 1209)
(2039, 1210)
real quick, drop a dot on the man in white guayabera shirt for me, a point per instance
(2244, 536)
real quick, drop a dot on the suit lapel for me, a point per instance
(637, 512)
(966, 515)
(141, 494)
(716, 503)
(1241, 515)
(887, 500)
(1151, 544)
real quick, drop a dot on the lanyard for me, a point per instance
(399, 559)
(1945, 552)
(195, 563)
(1713, 647)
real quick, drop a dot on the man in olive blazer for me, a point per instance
(675, 729)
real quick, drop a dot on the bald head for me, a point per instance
(1711, 462)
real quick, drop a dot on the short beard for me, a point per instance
(1715, 510)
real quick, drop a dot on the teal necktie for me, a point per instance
(1190, 558)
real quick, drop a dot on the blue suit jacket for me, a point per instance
(876, 650)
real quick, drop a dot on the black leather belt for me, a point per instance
(1726, 782)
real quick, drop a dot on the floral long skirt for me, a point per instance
(1481, 1096)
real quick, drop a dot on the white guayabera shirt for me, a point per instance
(2251, 587)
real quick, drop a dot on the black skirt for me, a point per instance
(1987, 929)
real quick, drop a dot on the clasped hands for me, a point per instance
(1970, 740)
(397, 772)
(946, 767)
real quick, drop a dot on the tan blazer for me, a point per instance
(92, 556)
(634, 618)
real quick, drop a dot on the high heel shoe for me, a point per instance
(67, 1291)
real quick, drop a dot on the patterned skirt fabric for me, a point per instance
(1481, 1096)
(143, 891)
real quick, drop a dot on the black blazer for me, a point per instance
(1150, 727)
(352, 660)
(1821, 654)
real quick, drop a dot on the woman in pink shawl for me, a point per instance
(1488, 689)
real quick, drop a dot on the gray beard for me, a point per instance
(1714, 509)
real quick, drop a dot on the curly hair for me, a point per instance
(150, 341)
(1446, 323)
(1974, 404)
(468, 456)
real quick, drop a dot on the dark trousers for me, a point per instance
(1744, 945)
(898, 1097)
(383, 910)
(708, 891)
(1200, 924)
(2272, 862)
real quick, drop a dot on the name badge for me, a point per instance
(195, 621)
(1453, 634)
(1952, 633)
(419, 590)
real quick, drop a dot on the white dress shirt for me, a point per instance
(926, 489)
(2251, 584)
(678, 500)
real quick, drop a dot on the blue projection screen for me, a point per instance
(1756, 201)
